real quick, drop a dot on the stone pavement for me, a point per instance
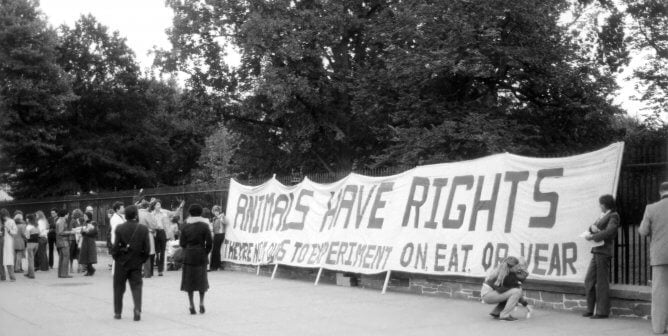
(244, 304)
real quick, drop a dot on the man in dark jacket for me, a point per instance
(130, 250)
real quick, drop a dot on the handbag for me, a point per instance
(179, 256)
(117, 251)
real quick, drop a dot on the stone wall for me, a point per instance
(627, 301)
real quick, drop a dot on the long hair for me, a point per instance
(502, 270)
(77, 213)
(40, 215)
(4, 213)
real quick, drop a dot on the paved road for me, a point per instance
(244, 304)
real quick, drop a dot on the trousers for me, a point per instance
(160, 246)
(218, 240)
(64, 261)
(52, 242)
(121, 276)
(511, 297)
(659, 298)
(148, 266)
(31, 249)
(597, 285)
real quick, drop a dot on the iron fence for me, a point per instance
(643, 169)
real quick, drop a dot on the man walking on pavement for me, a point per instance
(130, 250)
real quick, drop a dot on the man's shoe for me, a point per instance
(598, 317)
(587, 314)
(117, 316)
(508, 318)
(159, 273)
(495, 316)
(137, 315)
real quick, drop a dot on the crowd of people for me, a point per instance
(139, 234)
(34, 240)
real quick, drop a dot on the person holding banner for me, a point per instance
(196, 243)
(597, 285)
(503, 287)
(655, 225)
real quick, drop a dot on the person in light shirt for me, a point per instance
(41, 258)
(7, 229)
(146, 218)
(31, 235)
(163, 231)
(218, 230)
(117, 219)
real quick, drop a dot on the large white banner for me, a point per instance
(454, 218)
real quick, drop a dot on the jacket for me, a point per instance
(88, 253)
(62, 233)
(19, 237)
(655, 225)
(131, 247)
(512, 280)
(196, 241)
(608, 226)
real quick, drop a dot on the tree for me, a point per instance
(33, 93)
(125, 129)
(650, 31)
(348, 84)
(291, 96)
(216, 156)
(80, 115)
(486, 77)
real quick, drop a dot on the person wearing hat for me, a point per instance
(655, 225)
(196, 242)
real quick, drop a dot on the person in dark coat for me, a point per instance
(597, 285)
(51, 235)
(196, 243)
(88, 254)
(130, 250)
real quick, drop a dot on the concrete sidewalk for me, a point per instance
(244, 304)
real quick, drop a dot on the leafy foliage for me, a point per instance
(349, 84)
(650, 29)
(79, 115)
(34, 92)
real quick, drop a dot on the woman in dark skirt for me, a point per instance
(88, 253)
(196, 242)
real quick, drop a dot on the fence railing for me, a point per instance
(643, 169)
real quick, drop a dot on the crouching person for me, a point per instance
(503, 287)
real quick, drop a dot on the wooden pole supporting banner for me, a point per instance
(317, 278)
(387, 281)
(273, 274)
(258, 270)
